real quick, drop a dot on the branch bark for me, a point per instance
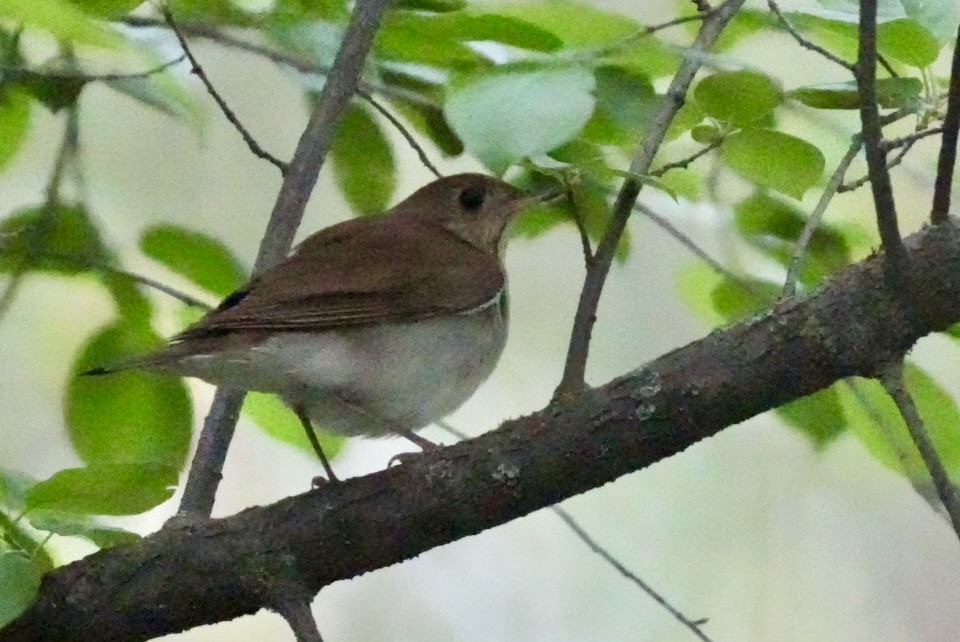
(191, 574)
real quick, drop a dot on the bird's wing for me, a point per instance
(361, 272)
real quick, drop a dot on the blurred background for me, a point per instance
(753, 529)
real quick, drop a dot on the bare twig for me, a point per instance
(576, 362)
(894, 384)
(948, 144)
(886, 210)
(607, 556)
(813, 221)
(303, 65)
(421, 153)
(15, 73)
(923, 487)
(893, 162)
(685, 162)
(298, 183)
(197, 70)
(592, 544)
(687, 242)
(803, 42)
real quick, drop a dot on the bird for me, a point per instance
(372, 327)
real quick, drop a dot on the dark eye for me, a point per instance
(472, 197)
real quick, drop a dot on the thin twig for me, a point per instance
(803, 42)
(813, 221)
(228, 113)
(894, 384)
(421, 153)
(886, 210)
(684, 163)
(886, 65)
(303, 65)
(687, 242)
(65, 153)
(607, 556)
(857, 388)
(298, 182)
(940, 209)
(585, 537)
(893, 162)
(16, 73)
(576, 362)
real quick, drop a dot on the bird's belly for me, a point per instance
(377, 379)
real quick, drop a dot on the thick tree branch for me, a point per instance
(192, 574)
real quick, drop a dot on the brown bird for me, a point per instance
(374, 326)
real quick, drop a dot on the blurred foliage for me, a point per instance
(557, 94)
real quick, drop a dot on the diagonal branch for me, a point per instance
(298, 182)
(192, 574)
(948, 144)
(576, 363)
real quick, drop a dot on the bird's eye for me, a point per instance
(472, 197)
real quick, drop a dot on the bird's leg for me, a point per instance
(312, 436)
(424, 444)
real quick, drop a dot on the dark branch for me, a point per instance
(231, 117)
(193, 574)
(948, 144)
(895, 385)
(298, 183)
(576, 362)
(872, 134)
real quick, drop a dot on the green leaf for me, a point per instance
(19, 582)
(577, 24)
(78, 525)
(422, 38)
(718, 298)
(819, 416)
(478, 27)
(506, 116)
(105, 489)
(705, 134)
(62, 19)
(108, 8)
(54, 91)
(57, 238)
(624, 102)
(892, 93)
(14, 122)
(164, 93)
(363, 162)
(939, 17)
(429, 121)
(646, 57)
(773, 159)
(875, 421)
(741, 98)
(908, 42)
(202, 259)
(127, 416)
(278, 421)
(773, 227)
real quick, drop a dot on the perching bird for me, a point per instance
(374, 326)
